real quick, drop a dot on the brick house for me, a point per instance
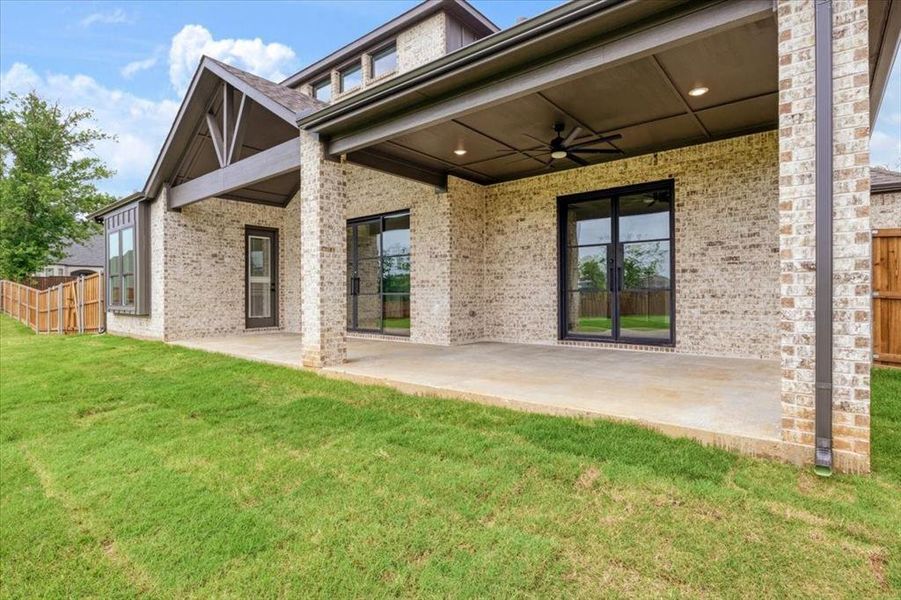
(627, 180)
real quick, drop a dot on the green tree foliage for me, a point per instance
(47, 182)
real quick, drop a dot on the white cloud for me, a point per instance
(139, 124)
(273, 61)
(129, 70)
(110, 17)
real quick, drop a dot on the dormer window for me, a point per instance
(384, 61)
(350, 77)
(322, 89)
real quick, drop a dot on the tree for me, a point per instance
(47, 182)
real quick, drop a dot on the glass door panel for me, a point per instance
(378, 284)
(618, 267)
(589, 302)
(261, 278)
(644, 300)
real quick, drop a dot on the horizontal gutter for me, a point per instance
(885, 188)
(486, 47)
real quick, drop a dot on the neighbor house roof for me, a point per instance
(88, 254)
(883, 181)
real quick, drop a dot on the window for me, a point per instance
(322, 90)
(384, 61)
(350, 77)
(121, 267)
(127, 260)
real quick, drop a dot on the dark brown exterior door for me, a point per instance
(261, 277)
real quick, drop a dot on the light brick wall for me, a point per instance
(206, 263)
(851, 203)
(886, 210)
(197, 268)
(422, 43)
(323, 255)
(726, 241)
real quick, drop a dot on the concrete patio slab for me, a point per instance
(728, 402)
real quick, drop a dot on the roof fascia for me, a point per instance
(885, 59)
(450, 64)
(673, 31)
(459, 8)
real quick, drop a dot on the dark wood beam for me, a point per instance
(216, 137)
(270, 163)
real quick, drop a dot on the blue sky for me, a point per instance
(130, 61)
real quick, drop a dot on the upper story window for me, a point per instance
(350, 77)
(384, 61)
(322, 89)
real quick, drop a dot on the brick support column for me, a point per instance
(851, 227)
(323, 255)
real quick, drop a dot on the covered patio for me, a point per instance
(730, 402)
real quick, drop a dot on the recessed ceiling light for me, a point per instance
(459, 151)
(698, 91)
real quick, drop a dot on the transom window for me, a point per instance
(322, 90)
(121, 267)
(350, 77)
(384, 61)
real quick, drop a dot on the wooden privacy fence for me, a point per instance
(71, 307)
(887, 296)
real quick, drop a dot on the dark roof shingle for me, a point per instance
(290, 98)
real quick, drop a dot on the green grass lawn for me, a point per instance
(633, 322)
(133, 468)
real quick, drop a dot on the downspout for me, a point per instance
(824, 175)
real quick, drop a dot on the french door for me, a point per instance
(261, 277)
(378, 274)
(616, 265)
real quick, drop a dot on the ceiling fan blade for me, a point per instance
(572, 136)
(579, 161)
(599, 140)
(595, 150)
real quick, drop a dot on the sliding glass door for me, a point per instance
(378, 272)
(617, 265)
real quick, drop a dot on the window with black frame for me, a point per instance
(378, 271)
(121, 267)
(617, 265)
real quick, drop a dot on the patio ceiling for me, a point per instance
(627, 70)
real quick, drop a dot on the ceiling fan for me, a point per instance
(563, 147)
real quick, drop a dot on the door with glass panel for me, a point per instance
(378, 274)
(261, 277)
(617, 265)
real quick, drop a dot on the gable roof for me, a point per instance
(282, 101)
(883, 181)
